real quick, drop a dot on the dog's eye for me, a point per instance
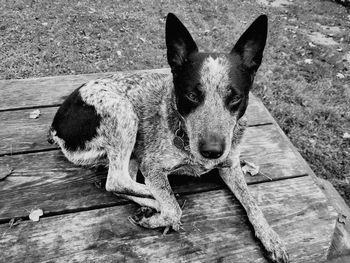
(192, 96)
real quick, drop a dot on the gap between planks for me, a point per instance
(31, 107)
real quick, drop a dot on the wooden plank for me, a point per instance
(340, 259)
(19, 133)
(47, 180)
(215, 229)
(341, 238)
(293, 148)
(36, 92)
(334, 197)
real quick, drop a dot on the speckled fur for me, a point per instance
(139, 117)
(137, 106)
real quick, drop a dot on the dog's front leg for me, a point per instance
(169, 210)
(235, 180)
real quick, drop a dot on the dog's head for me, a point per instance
(211, 89)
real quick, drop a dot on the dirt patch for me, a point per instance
(320, 39)
(331, 30)
(275, 3)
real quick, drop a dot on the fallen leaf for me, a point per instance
(340, 76)
(250, 168)
(346, 135)
(35, 214)
(312, 142)
(142, 39)
(311, 44)
(5, 171)
(34, 114)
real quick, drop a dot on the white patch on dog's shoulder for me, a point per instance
(215, 72)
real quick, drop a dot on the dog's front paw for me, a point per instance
(149, 218)
(279, 254)
(275, 247)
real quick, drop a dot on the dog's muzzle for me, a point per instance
(212, 147)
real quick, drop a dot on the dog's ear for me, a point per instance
(251, 44)
(179, 42)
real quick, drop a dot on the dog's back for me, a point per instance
(80, 123)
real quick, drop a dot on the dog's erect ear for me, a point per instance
(179, 42)
(251, 44)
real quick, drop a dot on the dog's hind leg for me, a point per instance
(119, 180)
(120, 128)
(169, 212)
(234, 179)
(142, 201)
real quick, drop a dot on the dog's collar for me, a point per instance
(176, 124)
(181, 140)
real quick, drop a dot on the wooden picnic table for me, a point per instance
(82, 222)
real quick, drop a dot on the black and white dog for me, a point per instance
(189, 123)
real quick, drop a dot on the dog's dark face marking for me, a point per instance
(76, 122)
(212, 88)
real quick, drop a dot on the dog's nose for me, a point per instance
(212, 148)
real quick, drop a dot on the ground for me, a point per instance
(304, 80)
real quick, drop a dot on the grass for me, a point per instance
(309, 101)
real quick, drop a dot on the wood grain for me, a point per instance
(341, 239)
(27, 93)
(19, 133)
(340, 259)
(47, 180)
(215, 230)
(340, 248)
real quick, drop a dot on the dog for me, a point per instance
(187, 123)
